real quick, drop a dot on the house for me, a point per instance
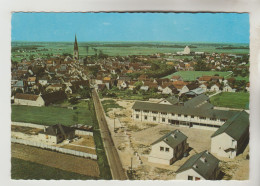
(204, 79)
(201, 166)
(29, 100)
(122, 84)
(31, 80)
(169, 90)
(56, 134)
(195, 92)
(172, 100)
(215, 88)
(232, 137)
(176, 78)
(54, 87)
(248, 87)
(228, 88)
(168, 148)
(19, 85)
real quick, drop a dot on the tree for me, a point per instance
(73, 101)
(155, 66)
(201, 66)
(85, 92)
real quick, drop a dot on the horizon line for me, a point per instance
(137, 42)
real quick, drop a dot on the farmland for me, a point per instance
(22, 169)
(56, 160)
(238, 100)
(193, 75)
(43, 49)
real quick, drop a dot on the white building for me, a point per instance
(196, 112)
(232, 137)
(169, 148)
(29, 99)
(185, 51)
(201, 166)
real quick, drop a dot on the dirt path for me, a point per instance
(57, 160)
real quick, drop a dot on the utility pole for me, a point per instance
(114, 122)
(131, 165)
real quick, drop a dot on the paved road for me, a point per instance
(116, 167)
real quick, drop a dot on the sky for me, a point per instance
(171, 27)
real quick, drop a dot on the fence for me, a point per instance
(29, 125)
(81, 132)
(58, 149)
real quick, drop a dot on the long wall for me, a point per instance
(58, 149)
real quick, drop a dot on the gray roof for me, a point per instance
(173, 138)
(19, 84)
(236, 126)
(179, 109)
(57, 129)
(196, 100)
(203, 168)
(173, 100)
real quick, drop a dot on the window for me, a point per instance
(202, 118)
(223, 120)
(154, 118)
(155, 112)
(213, 119)
(173, 114)
(137, 116)
(137, 110)
(163, 119)
(179, 115)
(163, 113)
(146, 111)
(190, 177)
(167, 149)
(161, 148)
(197, 178)
(192, 116)
(145, 117)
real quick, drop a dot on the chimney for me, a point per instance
(44, 129)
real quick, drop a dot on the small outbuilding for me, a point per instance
(168, 148)
(201, 166)
(56, 134)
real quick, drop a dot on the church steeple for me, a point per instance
(76, 49)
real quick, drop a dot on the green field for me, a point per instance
(26, 170)
(238, 100)
(52, 115)
(193, 75)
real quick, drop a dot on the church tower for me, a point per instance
(76, 49)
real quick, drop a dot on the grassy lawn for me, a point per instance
(192, 75)
(242, 78)
(52, 115)
(109, 104)
(26, 170)
(238, 100)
